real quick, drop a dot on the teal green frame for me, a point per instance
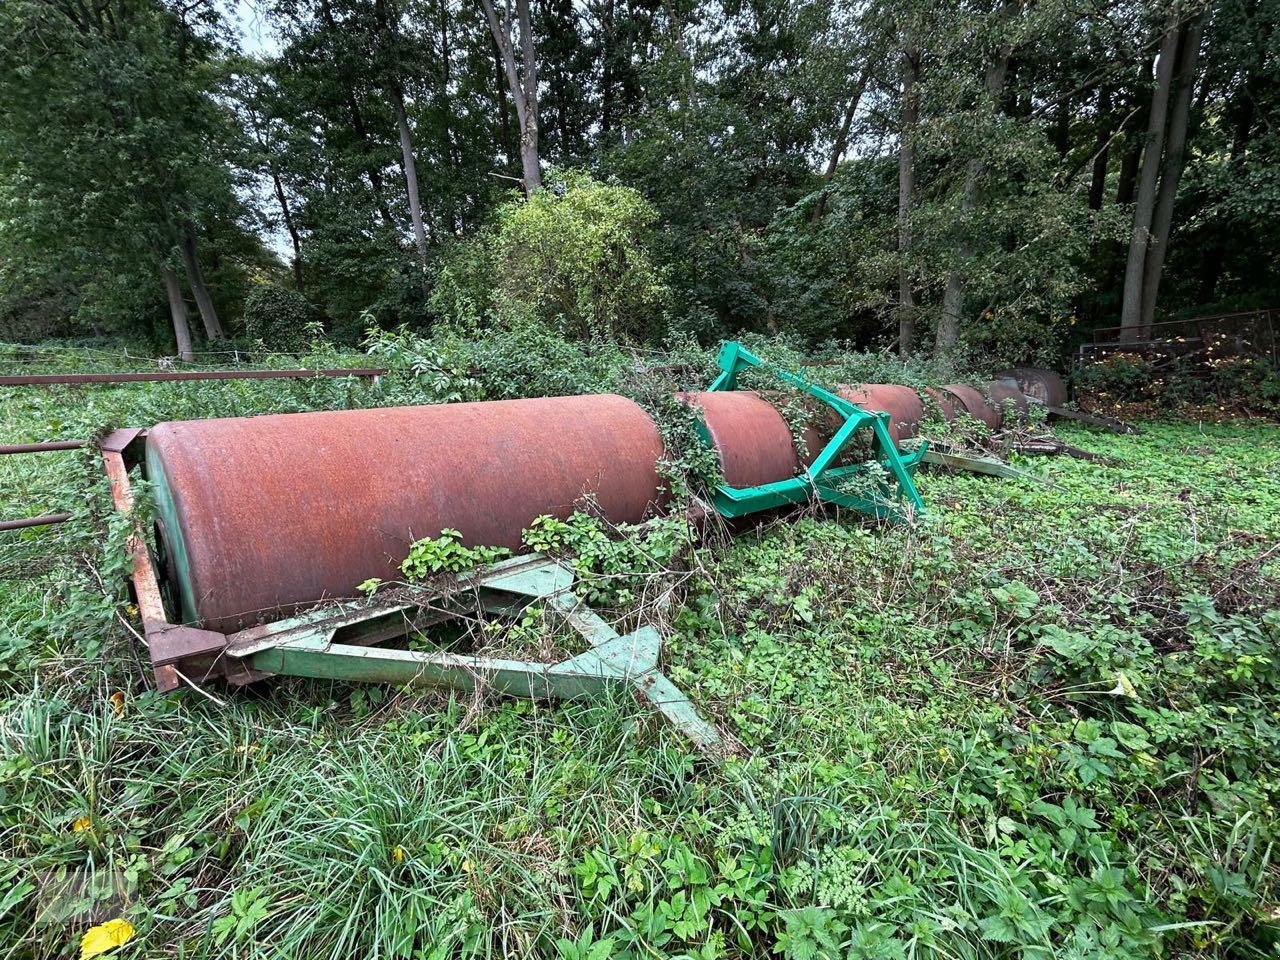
(340, 642)
(820, 478)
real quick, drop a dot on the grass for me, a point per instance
(1040, 723)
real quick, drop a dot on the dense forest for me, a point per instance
(999, 178)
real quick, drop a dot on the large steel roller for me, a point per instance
(262, 513)
(258, 515)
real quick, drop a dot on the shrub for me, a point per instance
(278, 317)
(575, 256)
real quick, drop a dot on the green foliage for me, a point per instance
(110, 153)
(1247, 382)
(573, 256)
(278, 317)
(446, 554)
(616, 567)
(1039, 722)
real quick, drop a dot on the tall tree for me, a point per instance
(522, 80)
(953, 296)
(1148, 182)
(1171, 172)
(907, 133)
(110, 116)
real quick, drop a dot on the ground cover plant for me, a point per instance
(1040, 721)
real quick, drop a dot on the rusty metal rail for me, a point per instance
(47, 519)
(7, 448)
(47, 379)
(43, 521)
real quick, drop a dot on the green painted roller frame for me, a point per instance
(336, 644)
(341, 641)
(822, 478)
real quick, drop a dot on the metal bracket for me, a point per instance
(822, 478)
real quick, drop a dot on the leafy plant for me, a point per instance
(446, 554)
(278, 317)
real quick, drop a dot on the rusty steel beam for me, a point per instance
(146, 586)
(40, 447)
(47, 520)
(46, 379)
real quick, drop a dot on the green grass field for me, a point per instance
(1040, 723)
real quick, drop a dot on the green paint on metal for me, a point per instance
(316, 644)
(821, 479)
(175, 545)
(987, 465)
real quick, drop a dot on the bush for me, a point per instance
(278, 317)
(1247, 383)
(575, 256)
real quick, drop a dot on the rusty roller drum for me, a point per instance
(974, 404)
(1041, 385)
(948, 406)
(1009, 400)
(903, 405)
(263, 515)
(751, 438)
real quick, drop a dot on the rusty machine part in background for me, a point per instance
(973, 403)
(903, 405)
(1043, 386)
(948, 406)
(1009, 401)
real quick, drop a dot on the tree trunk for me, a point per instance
(1102, 151)
(1062, 128)
(504, 108)
(1127, 180)
(953, 297)
(840, 145)
(195, 276)
(523, 88)
(1137, 107)
(410, 173)
(1131, 307)
(178, 314)
(607, 54)
(388, 25)
(529, 125)
(289, 225)
(1175, 154)
(447, 152)
(906, 188)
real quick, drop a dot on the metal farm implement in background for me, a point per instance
(265, 525)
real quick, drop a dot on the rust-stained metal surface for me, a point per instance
(6, 448)
(948, 406)
(974, 404)
(903, 405)
(751, 437)
(1043, 386)
(146, 587)
(47, 379)
(47, 520)
(270, 513)
(1008, 400)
